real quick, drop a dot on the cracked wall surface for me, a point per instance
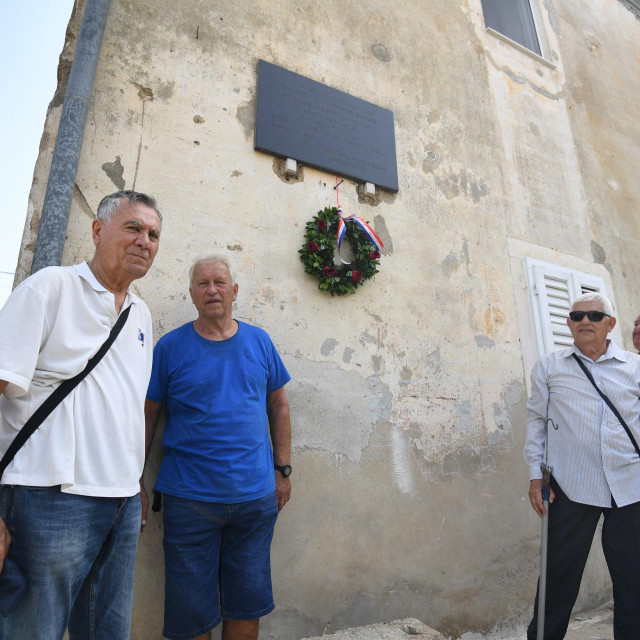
(408, 398)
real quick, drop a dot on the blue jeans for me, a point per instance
(78, 555)
(217, 563)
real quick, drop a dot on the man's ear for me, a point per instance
(96, 229)
(612, 323)
(235, 291)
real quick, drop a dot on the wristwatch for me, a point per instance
(284, 469)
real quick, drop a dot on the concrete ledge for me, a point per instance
(396, 630)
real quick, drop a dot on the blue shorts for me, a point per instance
(217, 563)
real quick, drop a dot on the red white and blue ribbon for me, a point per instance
(367, 230)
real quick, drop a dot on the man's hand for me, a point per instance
(535, 496)
(5, 541)
(283, 489)
(144, 501)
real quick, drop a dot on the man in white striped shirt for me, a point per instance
(596, 469)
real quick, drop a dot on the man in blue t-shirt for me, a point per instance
(222, 385)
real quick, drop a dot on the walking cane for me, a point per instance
(546, 493)
(542, 585)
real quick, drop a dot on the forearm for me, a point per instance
(280, 428)
(534, 445)
(152, 411)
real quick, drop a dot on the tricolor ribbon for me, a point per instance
(368, 231)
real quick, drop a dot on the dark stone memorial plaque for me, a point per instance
(325, 128)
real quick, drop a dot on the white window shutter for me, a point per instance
(554, 296)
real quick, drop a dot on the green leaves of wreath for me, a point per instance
(318, 253)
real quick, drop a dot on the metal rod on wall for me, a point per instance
(66, 154)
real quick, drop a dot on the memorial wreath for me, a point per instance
(326, 230)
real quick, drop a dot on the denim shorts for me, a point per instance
(78, 555)
(217, 563)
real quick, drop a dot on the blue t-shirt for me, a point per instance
(216, 437)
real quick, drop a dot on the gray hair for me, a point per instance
(210, 259)
(607, 307)
(110, 204)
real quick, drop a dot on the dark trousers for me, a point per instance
(571, 529)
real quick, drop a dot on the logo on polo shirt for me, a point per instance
(141, 337)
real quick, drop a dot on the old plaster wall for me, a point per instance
(408, 398)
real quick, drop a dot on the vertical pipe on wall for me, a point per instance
(66, 154)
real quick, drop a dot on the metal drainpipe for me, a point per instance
(66, 154)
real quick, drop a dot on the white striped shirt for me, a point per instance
(590, 452)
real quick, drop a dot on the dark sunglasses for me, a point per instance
(594, 316)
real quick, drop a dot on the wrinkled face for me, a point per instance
(587, 334)
(636, 334)
(128, 243)
(212, 291)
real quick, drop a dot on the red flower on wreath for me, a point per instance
(330, 271)
(312, 246)
(356, 276)
(374, 255)
(322, 225)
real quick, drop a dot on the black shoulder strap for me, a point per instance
(609, 403)
(58, 395)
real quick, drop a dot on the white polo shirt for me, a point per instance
(93, 442)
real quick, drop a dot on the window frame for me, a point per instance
(545, 55)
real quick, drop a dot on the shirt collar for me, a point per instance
(84, 271)
(613, 351)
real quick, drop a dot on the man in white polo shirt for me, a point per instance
(69, 500)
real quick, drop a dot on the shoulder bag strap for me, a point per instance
(58, 395)
(609, 403)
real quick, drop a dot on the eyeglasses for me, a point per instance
(594, 316)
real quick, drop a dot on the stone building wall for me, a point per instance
(408, 398)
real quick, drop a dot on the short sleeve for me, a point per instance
(22, 333)
(158, 382)
(278, 374)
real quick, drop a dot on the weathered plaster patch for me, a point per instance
(144, 93)
(500, 418)
(115, 171)
(348, 403)
(347, 355)
(198, 119)
(494, 321)
(598, 253)
(235, 173)
(485, 343)
(405, 374)
(381, 229)
(534, 129)
(551, 14)
(328, 346)
(376, 363)
(460, 183)
(450, 264)
(366, 337)
(64, 69)
(381, 52)
(521, 79)
(465, 255)
(78, 196)
(235, 247)
(433, 360)
(245, 113)
(165, 90)
(433, 116)
(466, 416)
